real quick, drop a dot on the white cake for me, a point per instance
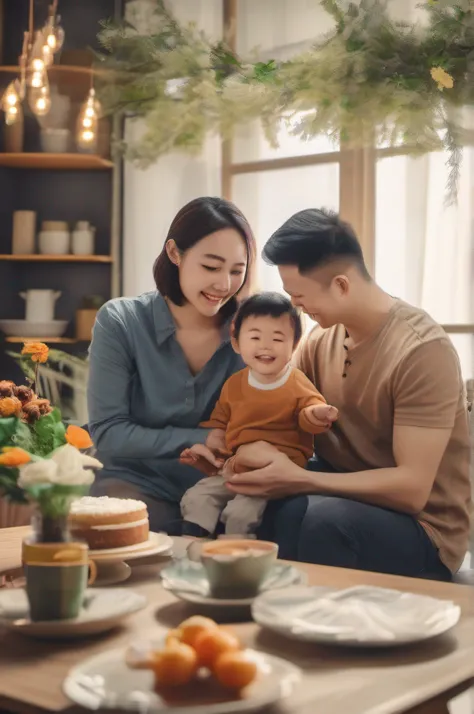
(105, 522)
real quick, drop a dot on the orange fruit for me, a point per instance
(191, 628)
(175, 665)
(234, 670)
(212, 643)
(173, 636)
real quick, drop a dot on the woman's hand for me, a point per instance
(267, 473)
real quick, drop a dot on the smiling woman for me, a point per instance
(158, 361)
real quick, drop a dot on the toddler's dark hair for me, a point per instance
(268, 305)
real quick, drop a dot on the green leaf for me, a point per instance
(8, 427)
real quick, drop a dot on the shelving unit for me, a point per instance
(68, 187)
(65, 162)
(68, 258)
(47, 340)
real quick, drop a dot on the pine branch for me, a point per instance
(453, 147)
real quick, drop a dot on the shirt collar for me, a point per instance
(165, 325)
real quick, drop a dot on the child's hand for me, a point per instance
(216, 440)
(198, 451)
(322, 415)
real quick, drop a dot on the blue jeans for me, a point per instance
(329, 530)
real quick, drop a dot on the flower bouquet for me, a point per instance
(40, 459)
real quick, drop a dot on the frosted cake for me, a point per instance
(105, 522)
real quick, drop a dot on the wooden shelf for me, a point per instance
(28, 160)
(68, 258)
(51, 340)
(60, 68)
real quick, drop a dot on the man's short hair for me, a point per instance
(314, 238)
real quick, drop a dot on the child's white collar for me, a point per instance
(253, 381)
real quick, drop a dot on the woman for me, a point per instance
(158, 361)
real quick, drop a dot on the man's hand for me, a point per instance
(322, 415)
(216, 440)
(275, 476)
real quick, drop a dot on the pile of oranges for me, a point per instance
(200, 642)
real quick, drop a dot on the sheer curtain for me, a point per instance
(153, 196)
(425, 250)
(279, 29)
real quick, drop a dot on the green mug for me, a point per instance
(56, 582)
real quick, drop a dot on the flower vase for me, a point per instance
(50, 529)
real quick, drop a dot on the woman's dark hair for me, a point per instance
(268, 305)
(313, 238)
(196, 220)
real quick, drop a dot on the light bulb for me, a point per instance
(11, 116)
(40, 100)
(53, 34)
(11, 101)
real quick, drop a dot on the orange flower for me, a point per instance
(78, 437)
(9, 406)
(38, 351)
(13, 456)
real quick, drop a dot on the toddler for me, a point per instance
(268, 401)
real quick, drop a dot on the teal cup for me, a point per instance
(56, 591)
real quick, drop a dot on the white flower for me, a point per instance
(37, 472)
(67, 467)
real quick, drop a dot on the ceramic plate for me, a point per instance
(361, 616)
(106, 682)
(102, 610)
(157, 544)
(188, 581)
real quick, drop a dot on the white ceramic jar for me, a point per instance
(83, 239)
(54, 242)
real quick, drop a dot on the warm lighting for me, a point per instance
(40, 100)
(87, 122)
(53, 34)
(11, 101)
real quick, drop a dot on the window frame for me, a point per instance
(357, 174)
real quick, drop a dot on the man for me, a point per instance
(396, 495)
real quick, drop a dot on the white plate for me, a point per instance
(25, 328)
(105, 681)
(157, 544)
(102, 610)
(187, 580)
(361, 616)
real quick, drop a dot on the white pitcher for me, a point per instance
(40, 304)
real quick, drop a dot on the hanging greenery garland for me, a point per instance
(371, 80)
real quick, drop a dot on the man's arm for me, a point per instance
(405, 487)
(426, 393)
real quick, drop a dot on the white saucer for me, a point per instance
(106, 682)
(102, 611)
(361, 616)
(157, 544)
(187, 580)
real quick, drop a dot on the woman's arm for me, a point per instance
(111, 370)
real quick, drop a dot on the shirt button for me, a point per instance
(344, 375)
(348, 362)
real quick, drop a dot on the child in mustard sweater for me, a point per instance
(267, 401)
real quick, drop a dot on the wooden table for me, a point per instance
(419, 678)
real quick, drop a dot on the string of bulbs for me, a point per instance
(39, 48)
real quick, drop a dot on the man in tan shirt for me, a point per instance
(395, 496)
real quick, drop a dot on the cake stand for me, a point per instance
(112, 564)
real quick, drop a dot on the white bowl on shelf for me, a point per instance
(25, 328)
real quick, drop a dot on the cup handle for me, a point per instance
(92, 572)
